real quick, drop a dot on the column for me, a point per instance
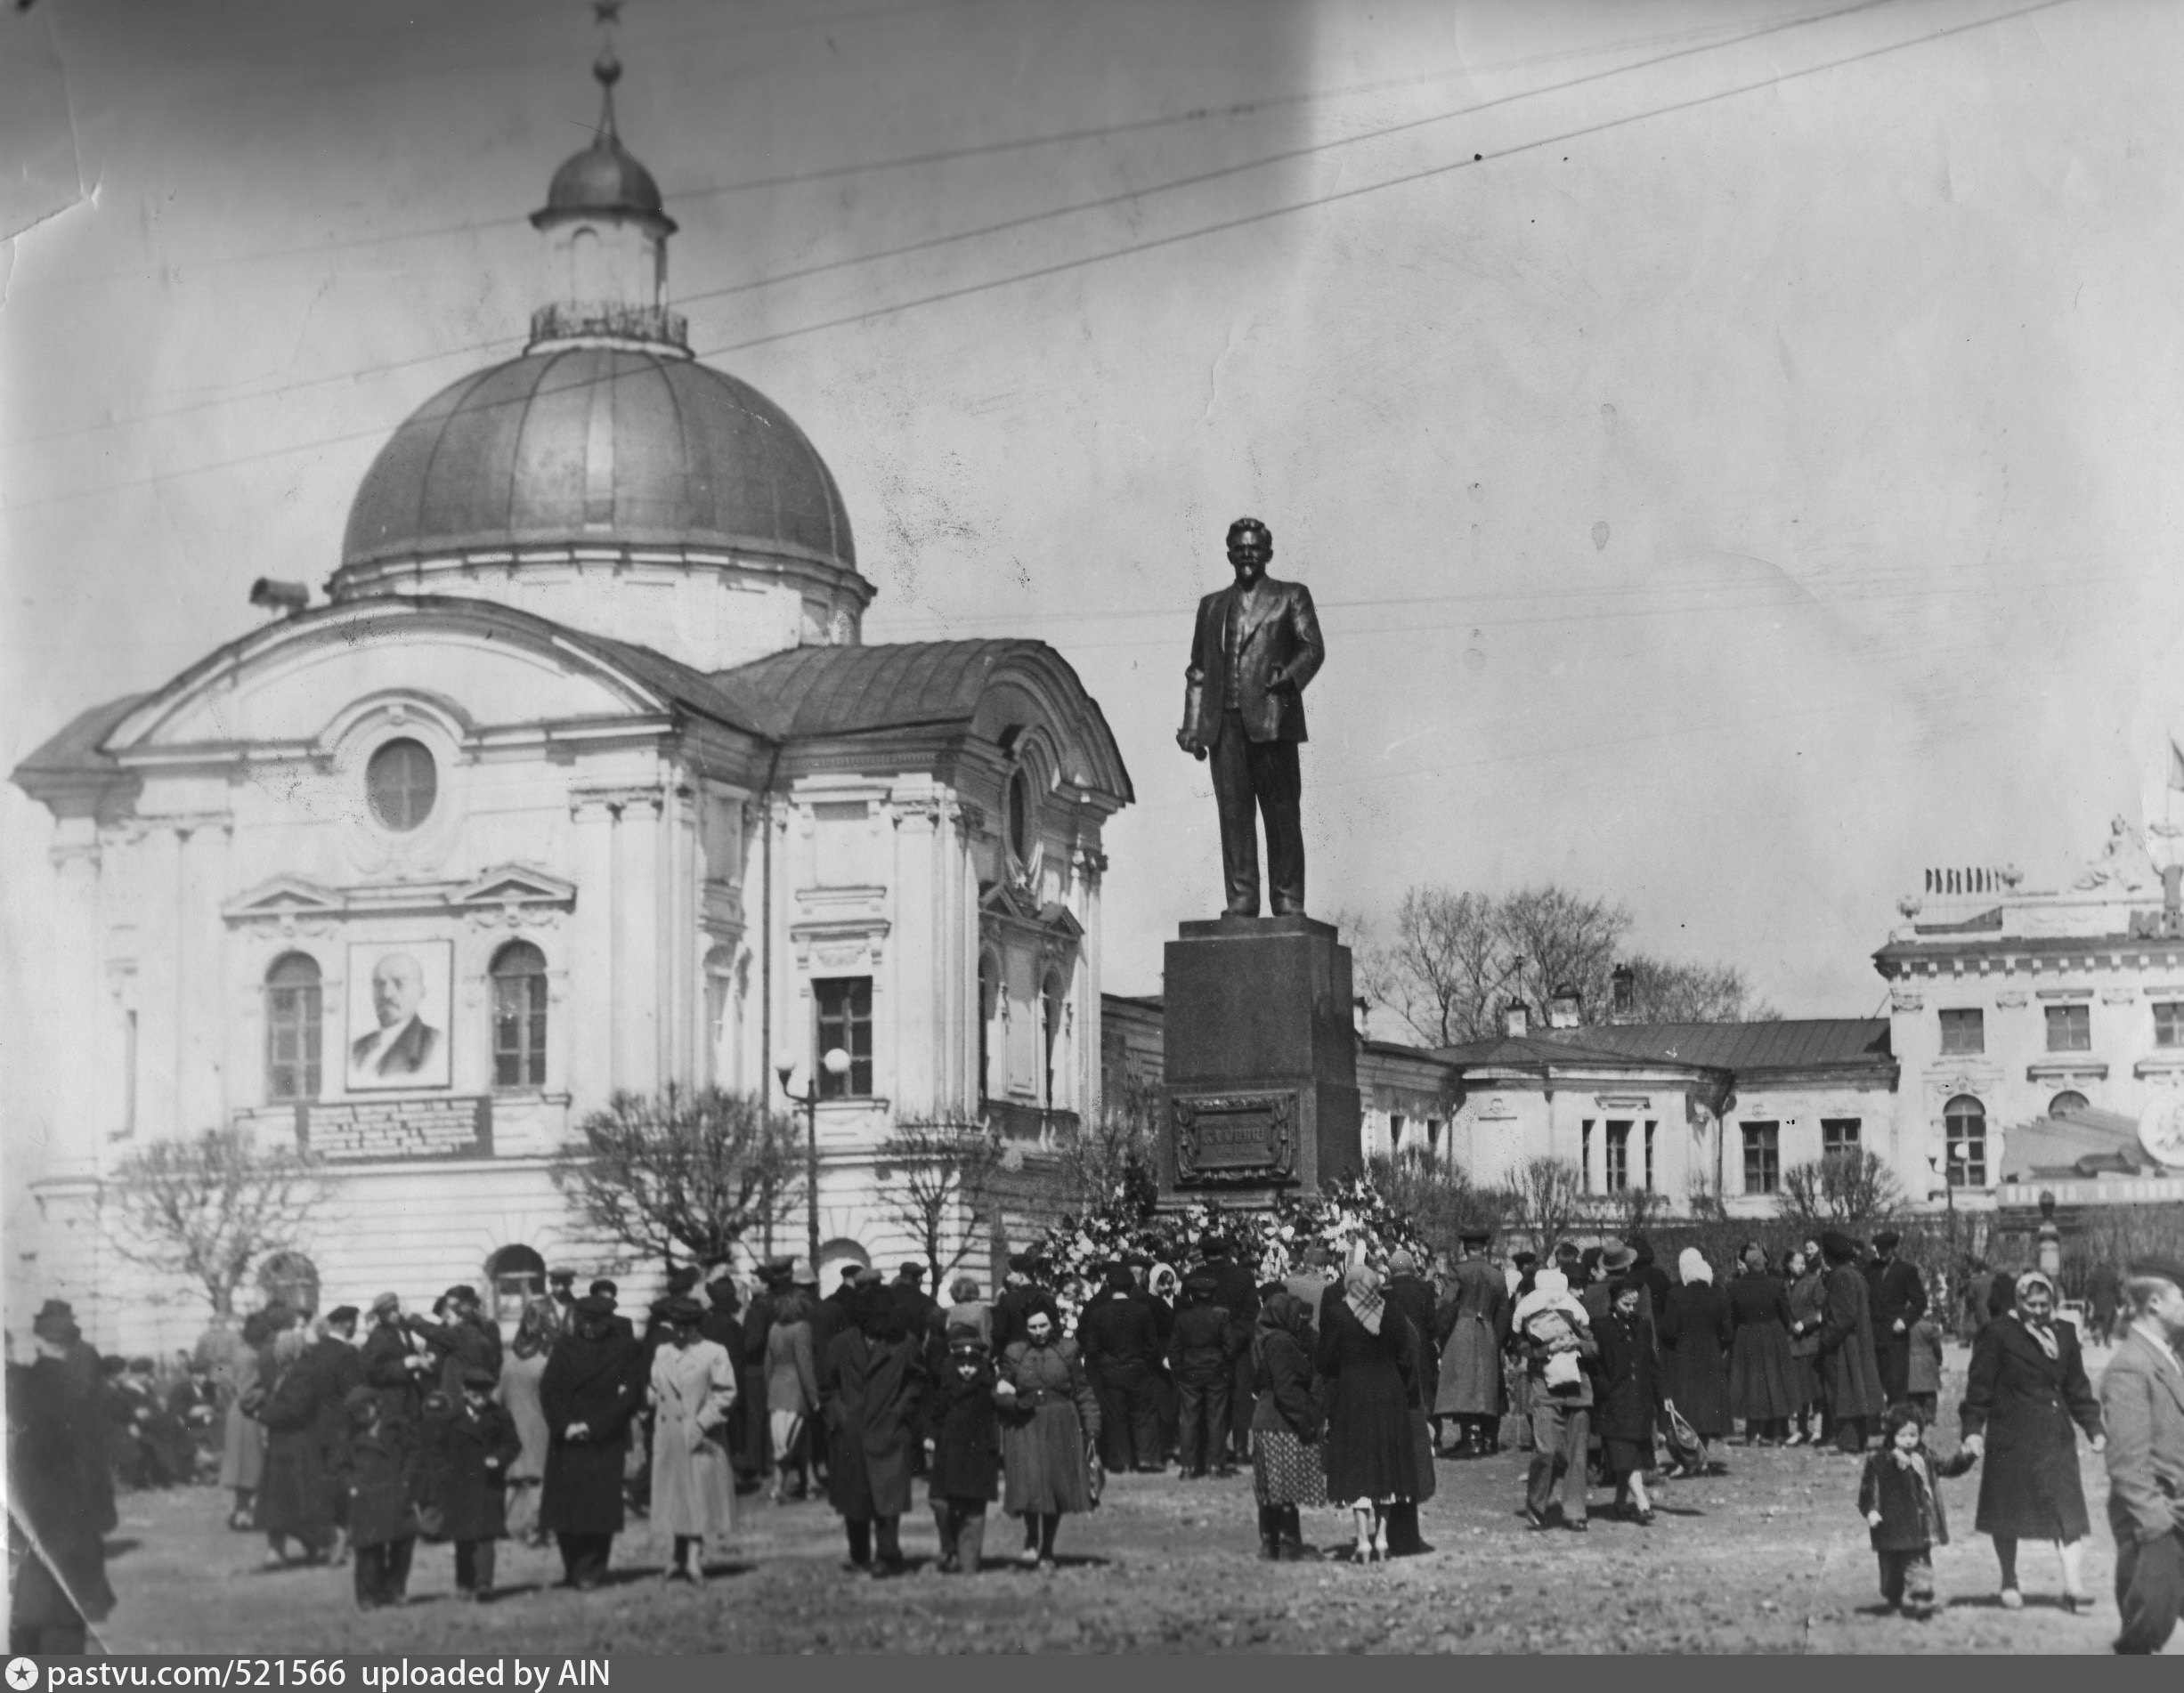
(159, 983)
(635, 1009)
(83, 1075)
(586, 1016)
(203, 999)
(917, 965)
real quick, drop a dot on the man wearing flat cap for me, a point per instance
(60, 1494)
(561, 1288)
(1897, 1296)
(393, 1363)
(2142, 1412)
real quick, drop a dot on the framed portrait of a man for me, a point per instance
(399, 994)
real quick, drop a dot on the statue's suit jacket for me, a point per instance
(1283, 636)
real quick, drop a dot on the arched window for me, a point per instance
(402, 782)
(2069, 1099)
(1049, 1030)
(1018, 808)
(519, 1016)
(1965, 1122)
(989, 1008)
(517, 1276)
(292, 1028)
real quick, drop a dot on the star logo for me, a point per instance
(22, 1674)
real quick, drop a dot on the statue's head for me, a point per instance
(1251, 544)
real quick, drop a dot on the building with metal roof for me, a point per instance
(581, 782)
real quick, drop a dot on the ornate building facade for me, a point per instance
(581, 781)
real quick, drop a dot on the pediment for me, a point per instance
(516, 885)
(285, 896)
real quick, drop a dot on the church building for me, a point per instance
(581, 780)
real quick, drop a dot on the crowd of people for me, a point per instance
(356, 1435)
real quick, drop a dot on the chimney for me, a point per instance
(288, 598)
(1565, 1008)
(2173, 889)
(1626, 981)
(1516, 1019)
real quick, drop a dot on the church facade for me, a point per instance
(580, 781)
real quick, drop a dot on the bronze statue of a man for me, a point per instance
(1258, 645)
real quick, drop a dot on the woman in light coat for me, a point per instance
(693, 1481)
(522, 1368)
(791, 1392)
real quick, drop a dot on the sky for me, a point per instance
(1729, 443)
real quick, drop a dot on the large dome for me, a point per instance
(591, 445)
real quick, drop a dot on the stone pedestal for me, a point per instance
(1261, 1070)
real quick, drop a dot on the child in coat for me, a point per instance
(1900, 1498)
(965, 1431)
(1924, 1387)
(470, 1445)
(382, 1460)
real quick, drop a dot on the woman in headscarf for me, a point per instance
(1696, 1331)
(694, 1384)
(869, 1390)
(1807, 1291)
(1287, 1467)
(1761, 1384)
(590, 1392)
(791, 1392)
(1629, 1397)
(1050, 1431)
(295, 1499)
(1366, 1355)
(522, 1368)
(1167, 1287)
(2027, 1386)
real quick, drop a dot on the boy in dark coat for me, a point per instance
(382, 1460)
(1200, 1352)
(1900, 1500)
(965, 1431)
(473, 1441)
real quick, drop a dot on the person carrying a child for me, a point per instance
(1554, 1340)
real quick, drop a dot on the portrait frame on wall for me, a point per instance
(400, 1026)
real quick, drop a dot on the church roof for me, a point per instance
(808, 693)
(590, 446)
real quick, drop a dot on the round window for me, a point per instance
(402, 782)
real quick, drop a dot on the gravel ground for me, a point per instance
(1771, 1558)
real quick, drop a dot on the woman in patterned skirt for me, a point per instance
(1285, 1468)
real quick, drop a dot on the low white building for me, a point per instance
(582, 782)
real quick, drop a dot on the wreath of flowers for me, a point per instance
(1350, 1220)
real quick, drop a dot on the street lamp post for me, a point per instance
(836, 1063)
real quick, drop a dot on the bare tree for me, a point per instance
(937, 1187)
(1436, 1193)
(688, 1171)
(1542, 1199)
(208, 1208)
(1662, 991)
(1557, 939)
(1443, 969)
(1842, 1187)
(1114, 1151)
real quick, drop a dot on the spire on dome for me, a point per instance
(607, 228)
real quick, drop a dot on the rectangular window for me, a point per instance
(844, 1007)
(1585, 1156)
(1963, 1031)
(1395, 1132)
(2169, 1023)
(1763, 1158)
(1837, 1134)
(519, 1031)
(1619, 1158)
(2070, 1028)
(1649, 1156)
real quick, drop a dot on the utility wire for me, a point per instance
(1151, 244)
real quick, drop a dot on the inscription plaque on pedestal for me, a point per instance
(1261, 1057)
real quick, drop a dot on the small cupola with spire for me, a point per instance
(606, 235)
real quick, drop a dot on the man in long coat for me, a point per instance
(1897, 1297)
(869, 1391)
(2142, 1410)
(589, 1392)
(1237, 1293)
(1120, 1340)
(1474, 1326)
(56, 1461)
(1849, 1375)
